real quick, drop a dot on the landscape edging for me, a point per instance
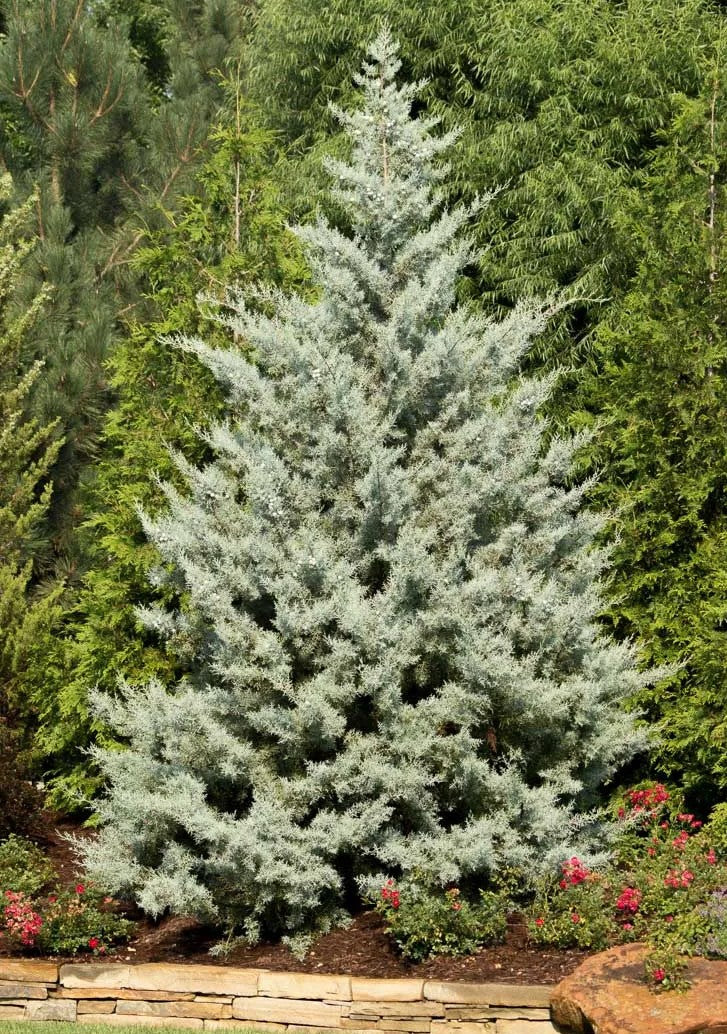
(224, 997)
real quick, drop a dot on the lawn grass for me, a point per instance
(54, 1027)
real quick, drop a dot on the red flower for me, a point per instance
(456, 905)
(575, 918)
(658, 975)
(629, 900)
(80, 888)
(540, 921)
(711, 856)
(93, 942)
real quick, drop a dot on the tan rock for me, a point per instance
(460, 1027)
(161, 976)
(95, 1006)
(516, 995)
(244, 1025)
(607, 993)
(486, 1012)
(296, 1028)
(287, 1010)
(524, 1027)
(199, 1010)
(421, 1024)
(28, 971)
(369, 1010)
(94, 974)
(304, 985)
(12, 1012)
(52, 1009)
(364, 989)
(118, 992)
(217, 999)
(10, 990)
(113, 1020)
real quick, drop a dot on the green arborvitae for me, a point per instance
(389, 588)
(230, 228)
(26, 454)
(661, 391)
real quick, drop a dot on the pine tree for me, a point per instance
(26, 454)
(660, 387)
(229, 228)
(388, 590)
(75, 99)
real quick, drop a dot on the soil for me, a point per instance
(363, 949)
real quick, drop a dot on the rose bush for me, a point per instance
(424, 922)
(666, 886)
(37, 914)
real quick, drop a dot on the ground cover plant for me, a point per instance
(388, 588)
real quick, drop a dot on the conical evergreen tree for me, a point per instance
(389, 591)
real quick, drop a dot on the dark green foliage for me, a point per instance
(660, 389)
(556, 100)
(20, 802)
(230, 229)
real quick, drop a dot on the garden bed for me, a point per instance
(361, 950)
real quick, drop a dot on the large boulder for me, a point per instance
(607, 995)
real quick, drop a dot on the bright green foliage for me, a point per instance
(26, 455)
(390, 588)
(229, 230)
(661, 393)
(557, 102)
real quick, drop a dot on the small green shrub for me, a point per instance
(425, 922)
(24, 868)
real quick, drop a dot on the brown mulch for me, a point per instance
(363, 949)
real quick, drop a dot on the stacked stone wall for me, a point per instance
(226, 998)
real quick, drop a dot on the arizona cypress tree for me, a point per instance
(389, 591)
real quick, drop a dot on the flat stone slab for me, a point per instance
(58, 1009)
(162, 976)
(27, 971)
(509, 995)
(607, 994)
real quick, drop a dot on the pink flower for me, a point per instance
(711, 856)
(575, 918)
(456, 905)
(628, 926)
(629, 900)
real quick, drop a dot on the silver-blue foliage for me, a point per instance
(393, 588)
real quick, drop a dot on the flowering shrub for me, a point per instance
(427, 922)
(666, 886)
(56, 921)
